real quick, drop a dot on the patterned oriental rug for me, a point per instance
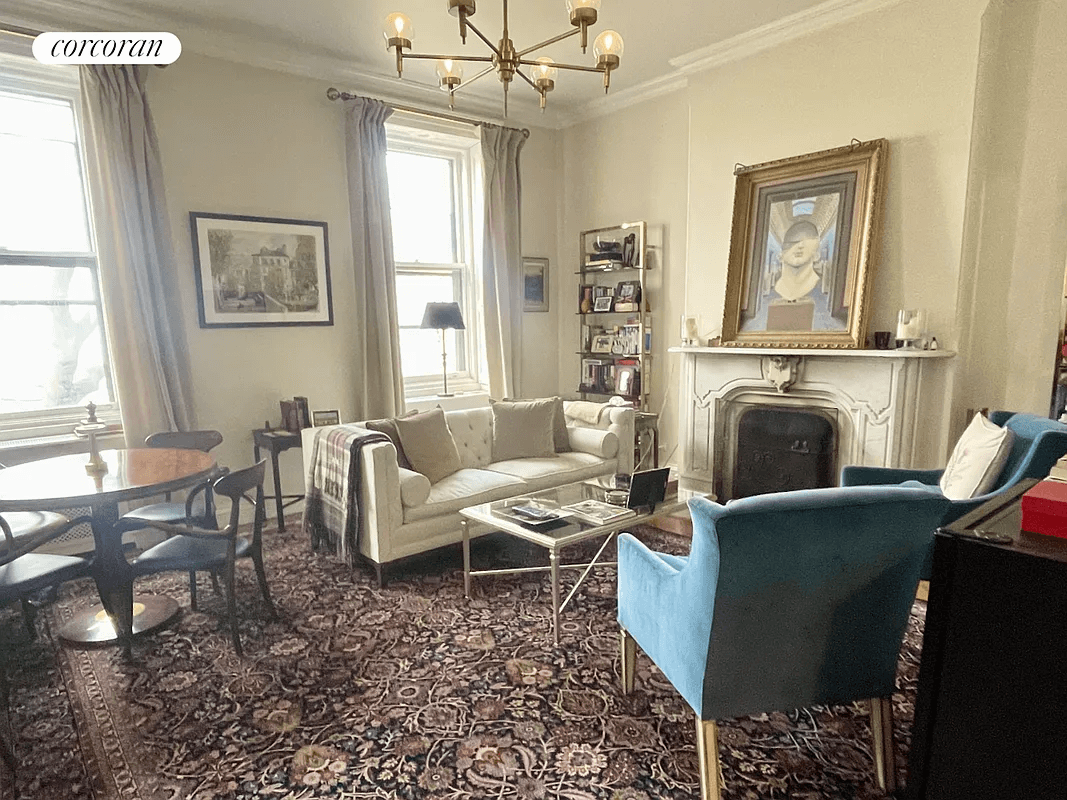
(403, 692)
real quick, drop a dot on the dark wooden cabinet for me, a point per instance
(991, 707)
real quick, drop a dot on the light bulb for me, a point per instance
(544, 71)
(608, 43)
(583, 14)
(398, 26)
(573, 4)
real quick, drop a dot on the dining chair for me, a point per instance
(24, 571)
(192, 548)
(199, 506)
(786, 600)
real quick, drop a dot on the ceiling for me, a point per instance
(341, 40)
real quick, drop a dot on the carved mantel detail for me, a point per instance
(781, 372)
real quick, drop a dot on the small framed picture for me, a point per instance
(602, 343)
(320, 418)
(626, 380)
(535, 284)
(603, 303)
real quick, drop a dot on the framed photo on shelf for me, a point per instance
(626, 379)
(601, 343)
(628, 291)
(804, 231)
(535, 284)
(603, 303)
(320, 418)
(260, 271)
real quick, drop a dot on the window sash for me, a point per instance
(465, 377)
(21, 75)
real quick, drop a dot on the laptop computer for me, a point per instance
(647, 488)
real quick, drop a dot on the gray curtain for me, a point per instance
(502, 259)
(377, 350)
(137, 265)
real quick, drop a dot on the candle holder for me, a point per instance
(90, 428)
(911, 328)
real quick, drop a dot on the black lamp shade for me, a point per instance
(442, 315)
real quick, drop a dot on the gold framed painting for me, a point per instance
(803, 237)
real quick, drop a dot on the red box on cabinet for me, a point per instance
(1045, 508)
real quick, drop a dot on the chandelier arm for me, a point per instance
(547, 42)
(529, 63)
(471, 80)
(523, 75)
(484, 59)
(481, 36)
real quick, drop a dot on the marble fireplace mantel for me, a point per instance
(889, 405)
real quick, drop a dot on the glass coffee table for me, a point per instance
(556, 534)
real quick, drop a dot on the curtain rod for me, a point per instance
(334, 94)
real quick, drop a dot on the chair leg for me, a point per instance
(261, 575)
(628, 653)
(708, 754)
(29, 615)
(882, 733)
(231, 604)
(192, 590)
(215, 582)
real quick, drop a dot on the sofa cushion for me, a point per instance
(523, 428)
(428, 444)
(976, 460)
(472, 431)
(543, 473)
(388, 427)
(414, 488)
(466, 487)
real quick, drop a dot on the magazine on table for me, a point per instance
(598, 513)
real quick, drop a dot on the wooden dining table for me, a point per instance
(62, 482)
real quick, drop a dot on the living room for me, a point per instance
(973, 225)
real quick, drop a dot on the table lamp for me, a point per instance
(443, 316)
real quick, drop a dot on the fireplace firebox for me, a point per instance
(780, 449)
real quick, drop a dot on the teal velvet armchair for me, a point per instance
(1038, 443)
(786, 600)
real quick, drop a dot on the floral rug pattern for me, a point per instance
(408, 691)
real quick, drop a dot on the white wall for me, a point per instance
(243, 140)
(906, 73)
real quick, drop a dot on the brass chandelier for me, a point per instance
(506, 61)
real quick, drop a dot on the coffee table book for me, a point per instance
(599, 513)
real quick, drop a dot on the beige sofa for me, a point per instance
(404, 514)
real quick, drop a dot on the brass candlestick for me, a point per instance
(89, 429)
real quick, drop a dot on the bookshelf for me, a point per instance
(614, 313)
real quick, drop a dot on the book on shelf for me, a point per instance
(598, 513)
(604, 262)
(622, 305)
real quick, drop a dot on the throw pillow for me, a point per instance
(560, 437)
(977, 459)
(388, 427)
(428, 444)
(523, 428)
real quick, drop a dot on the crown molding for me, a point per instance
(818, 18)
(609, 104)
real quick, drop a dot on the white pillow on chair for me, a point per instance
(977, 460)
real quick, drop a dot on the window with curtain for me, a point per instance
(434, 189)
(53, 347)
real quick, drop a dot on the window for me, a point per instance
(53, 358)
(432, 192)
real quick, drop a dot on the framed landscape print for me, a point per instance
(535, 284)
(260, 271)
(804, 229)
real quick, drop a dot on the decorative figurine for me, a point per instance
(89, 429)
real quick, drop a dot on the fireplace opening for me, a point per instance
(781, 449)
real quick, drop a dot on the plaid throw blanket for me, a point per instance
(331, 507)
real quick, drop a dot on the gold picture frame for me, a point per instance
(804, 229)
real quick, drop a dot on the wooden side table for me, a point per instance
(276, 441)
(646, 422)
